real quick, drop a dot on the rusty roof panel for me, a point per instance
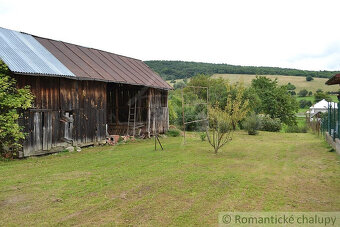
(89, 63)
(334, 80)
(62, 57)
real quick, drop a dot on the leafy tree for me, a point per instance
(275, 100)
(309, 78)
(221, 121)
(304, 103)
(303, 93)
(292, 92)
(319, 95)
(179, 85)
(290, 86)
(310, 93)
(11, 100)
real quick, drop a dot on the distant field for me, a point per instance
(298, 81)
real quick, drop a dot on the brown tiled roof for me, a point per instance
(92, 64)
(334, 80)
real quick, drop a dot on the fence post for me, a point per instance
(334, 123)
(329, 119)
(338, 120)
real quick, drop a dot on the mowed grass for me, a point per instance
(299, 81)
(184, 185)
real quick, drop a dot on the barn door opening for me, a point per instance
(46, 118)
(42, 131)
(67, 118)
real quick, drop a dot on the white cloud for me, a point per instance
(245, 32)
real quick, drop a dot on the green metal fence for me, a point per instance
(330, 122)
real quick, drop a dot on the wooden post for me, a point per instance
(183, 115)
(149, 112)
(167, 109)
(117, 106)
(134, 117)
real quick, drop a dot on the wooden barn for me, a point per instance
(82, 94)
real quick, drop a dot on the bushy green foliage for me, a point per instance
(296, 129)
(290, 86)
(309, 78)
(275, 100)
(179, 69)
(203, 136)
(305, 103)
(252, 124)
(172, 112)
(179, 85)
(303, 93)
(173, 132)
(269, 124)
(12, 100)
(292, 92)
(319, 95)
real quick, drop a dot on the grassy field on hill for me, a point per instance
(298, 81)
(184, 185)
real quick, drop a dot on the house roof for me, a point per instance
(24, 54)
(76, 61)
(334, 80)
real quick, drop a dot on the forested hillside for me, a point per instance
(180, 69)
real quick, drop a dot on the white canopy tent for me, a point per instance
(321, 107)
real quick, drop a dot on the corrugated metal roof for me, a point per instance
(89, 63)
(24, 54)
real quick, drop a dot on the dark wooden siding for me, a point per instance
(65, 112)
(151, 109)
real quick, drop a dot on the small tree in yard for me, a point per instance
(11, 99)
(221, 122)
(252, 124)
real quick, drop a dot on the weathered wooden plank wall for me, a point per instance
(65, 112)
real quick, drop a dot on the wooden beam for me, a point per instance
(117, 106)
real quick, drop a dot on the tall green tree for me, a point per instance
(275, 100)
(11, 101)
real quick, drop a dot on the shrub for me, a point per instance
(296, 129)
(304, 103)
(303, 93)
(179, 85)
(173, 132)
(252, 124)
(309, 78)
(292, 92)
(203, 136)
(269, 124)
(12, 101)
(290, 86)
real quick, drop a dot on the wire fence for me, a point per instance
(329, 122)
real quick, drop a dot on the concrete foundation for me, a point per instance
(335, 144)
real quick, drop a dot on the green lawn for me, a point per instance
(185, 185)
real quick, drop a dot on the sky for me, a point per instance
(302, 34)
